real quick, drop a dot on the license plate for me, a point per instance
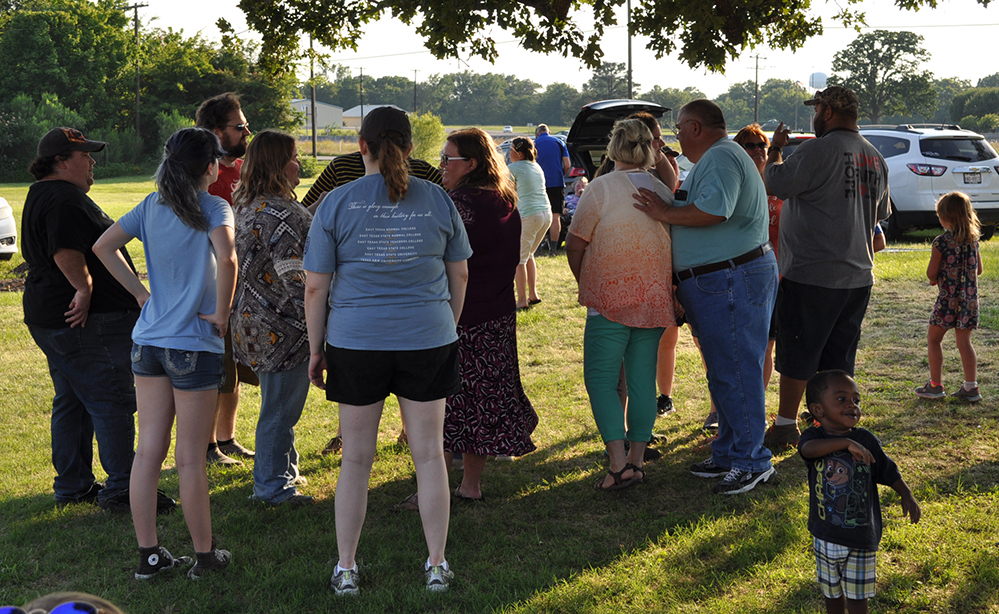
(972, 178)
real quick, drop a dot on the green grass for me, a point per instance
(545, 541)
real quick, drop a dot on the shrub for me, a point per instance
(428, 137)
(310, 167)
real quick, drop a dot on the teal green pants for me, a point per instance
(605, 345)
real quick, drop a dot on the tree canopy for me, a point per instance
(705, 34)
(882, 68)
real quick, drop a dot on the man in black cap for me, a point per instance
(82, 319)
(835, 191)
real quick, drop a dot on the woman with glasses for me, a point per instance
(535, 216)
(398, 250)
(623, 265)
(187, 236)
(491, 415)
(755, 142)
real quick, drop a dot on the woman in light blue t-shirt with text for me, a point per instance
(398, 250)
(177, 347)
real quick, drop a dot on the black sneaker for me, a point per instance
(89, 496)
(709, 469)
(120, 503)
(664, 405)
(154, 560)
(213, 560)
(738, 481)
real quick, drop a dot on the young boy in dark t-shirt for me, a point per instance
(845, 465)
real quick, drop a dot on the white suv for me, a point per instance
(927, 161)
(8, 231)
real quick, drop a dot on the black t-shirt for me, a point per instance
(58, 215)
(843, 503)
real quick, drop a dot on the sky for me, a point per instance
(955, 34)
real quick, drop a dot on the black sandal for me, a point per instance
(618, 482)
(635, 471)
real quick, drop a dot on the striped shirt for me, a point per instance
(349, 167)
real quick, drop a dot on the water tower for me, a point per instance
(817, 80)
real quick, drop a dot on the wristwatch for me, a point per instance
(772, 149)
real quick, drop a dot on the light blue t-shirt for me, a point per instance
(724, 182)
(530, 179)
(390, 290)
(182, 267)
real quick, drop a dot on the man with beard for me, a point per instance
(835, 191)
(223, 115)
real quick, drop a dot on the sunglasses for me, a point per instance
(70, 607)
(752, 146)
(444, 160)
(240, 127)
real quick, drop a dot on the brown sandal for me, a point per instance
(618, 482)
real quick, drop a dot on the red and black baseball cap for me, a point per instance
(64, 140)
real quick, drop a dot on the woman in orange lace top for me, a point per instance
(622, 261)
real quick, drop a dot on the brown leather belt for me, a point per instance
(725, 264)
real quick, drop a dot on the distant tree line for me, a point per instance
(72, 62)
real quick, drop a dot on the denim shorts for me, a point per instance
(192, 371)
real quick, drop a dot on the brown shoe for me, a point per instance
(216, 457)
(234, 449)
(780, 437)
(333, 446)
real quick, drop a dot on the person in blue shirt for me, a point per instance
(553, 157)
(177, 344)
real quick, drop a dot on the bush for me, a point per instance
(310, 167)
(23, 122)
(428, 137)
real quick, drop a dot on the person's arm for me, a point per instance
(325, 183)
(980, 266)
(107, 249)
(457, 282)
(659, 210)
(73, 266)
(314, 206)
(575, 247)
(817, 448)
(781, 137)
(910, 507)
(666, 169)
(879, 241)
(565, 164)
(224, 242)
(933, 270)
(317, 288)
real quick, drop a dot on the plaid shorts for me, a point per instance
(841, 569)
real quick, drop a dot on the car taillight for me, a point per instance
(927, 169)
(578, 171)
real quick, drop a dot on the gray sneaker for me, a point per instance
(708, 469)
(344, 582)
(738, 481)
(971, 396)
(234, 449)
(711, 422)
(217, 457)
(438, 577)
(929, 391)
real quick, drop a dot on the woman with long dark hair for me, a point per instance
(268, 313)
(491, 414)
(398, 250)
(187, 236)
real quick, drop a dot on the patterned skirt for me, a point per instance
(491, 414)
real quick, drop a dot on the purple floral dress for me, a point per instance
(957, 303)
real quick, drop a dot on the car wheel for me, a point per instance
(987, 232)
(892, 230)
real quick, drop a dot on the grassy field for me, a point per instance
(545, 541)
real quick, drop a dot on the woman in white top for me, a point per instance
(535, 216)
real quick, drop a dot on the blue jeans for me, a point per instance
(730, 312)
(605, 345)
(275, 466)
(94, 395)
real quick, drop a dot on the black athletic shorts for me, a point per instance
(363, 377)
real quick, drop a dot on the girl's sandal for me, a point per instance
(618, 482)
(638, 474)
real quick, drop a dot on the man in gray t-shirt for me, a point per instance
(835, 190)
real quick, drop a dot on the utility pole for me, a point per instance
(360, 85)
(756, 105)
(631, 93)
(312, 82)
(135, 20)
(414, 91)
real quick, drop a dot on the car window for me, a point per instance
(889, 146)
(959, 149)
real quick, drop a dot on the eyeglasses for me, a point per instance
(241, 127)
(752, 146)
(446, 158)
(70, 607)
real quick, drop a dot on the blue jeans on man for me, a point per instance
(730, 312)
(91, 372)
(275, 466)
